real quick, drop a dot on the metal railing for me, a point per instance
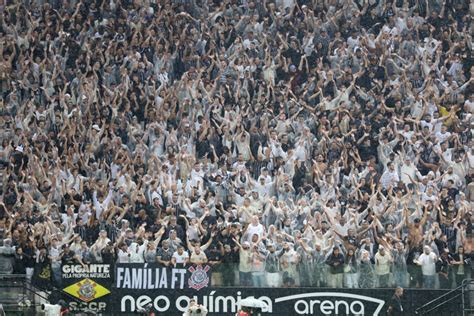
(459, 295)
(19, 295)
(468, 289)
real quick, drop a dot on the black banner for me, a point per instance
(87, 288)
(280, 301)
(139, 276)
(128, 289)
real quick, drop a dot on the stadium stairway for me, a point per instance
(457, 302)
(19, 297)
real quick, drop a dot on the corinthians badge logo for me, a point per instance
(87, 291)
(199, 278)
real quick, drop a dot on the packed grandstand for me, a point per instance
(286, 143)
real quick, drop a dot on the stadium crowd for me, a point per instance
(283, 143)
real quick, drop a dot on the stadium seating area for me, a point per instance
(285, 143)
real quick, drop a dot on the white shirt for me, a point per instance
(342, 229)
(442, 136)
(410, 170)
(263, 190)
(100, 207)
(454, 177)
(470, 159)
(123, 257)
(407, 134)
(258, 229)
(428, 263)
(68, 220)
(181, 258)
(352, 42)
(137, 252)
(426, 124)
(417, 109)
(300, 152)
(447, 154)
(389, 178)
(74, 182)
(382, 263)
(54, 253)
(469, 106)
(432, 197)
(434, 125)
(459, 169)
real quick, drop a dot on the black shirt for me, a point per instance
(396, 306)
(336, 262)
(213, 254)
(68, 257)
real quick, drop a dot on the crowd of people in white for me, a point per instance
(283, 143)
